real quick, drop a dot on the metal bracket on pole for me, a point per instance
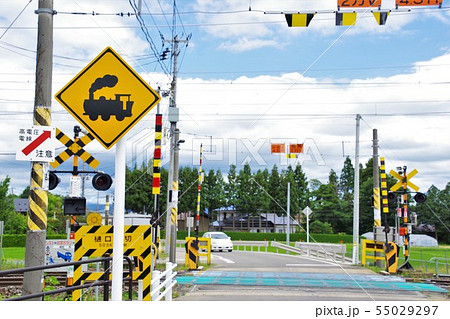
(45, 10)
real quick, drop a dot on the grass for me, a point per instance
(13, 257)
(14, 253)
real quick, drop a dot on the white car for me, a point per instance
(219, 241)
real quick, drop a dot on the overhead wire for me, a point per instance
(148, 37)
(15, 19)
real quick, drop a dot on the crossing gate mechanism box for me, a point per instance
(96, 241)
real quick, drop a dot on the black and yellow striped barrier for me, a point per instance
(370, 246)
(391, 252)
(97, 241)
(203, 244)
(191, 246)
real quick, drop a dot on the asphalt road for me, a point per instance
(260, 262)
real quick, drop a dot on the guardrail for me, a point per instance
(162, 280)
(105, 282)
(325, 251)
(335, 252)
(247, 243)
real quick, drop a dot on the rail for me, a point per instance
(105, 283)
(316, 250)
(163, 280)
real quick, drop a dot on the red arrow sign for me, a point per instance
(38, 141)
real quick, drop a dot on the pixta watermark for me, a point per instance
(255, 152)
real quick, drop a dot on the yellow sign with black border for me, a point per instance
(108, 97)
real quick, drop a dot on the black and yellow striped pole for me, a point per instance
(390, 247)
(156, 189)
(199, 191)
(37, 215)
(404, 228)
(192, 244)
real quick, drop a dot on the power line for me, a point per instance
(148, 37)
(15, 19)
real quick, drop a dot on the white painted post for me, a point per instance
(118, 222)
(168, 291)
(307, 228)
(140, 289)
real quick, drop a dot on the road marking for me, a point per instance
(310, 265)
(228, 261)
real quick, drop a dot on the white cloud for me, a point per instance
(245, 44)
(248, 108)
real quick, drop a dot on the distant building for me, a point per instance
(203, 223)
(229, 219)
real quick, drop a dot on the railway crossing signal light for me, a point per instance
(101, 181)
(391, 197)
(420, 198)
(53, 181)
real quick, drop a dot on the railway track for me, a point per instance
(17, 280)
(440, 281)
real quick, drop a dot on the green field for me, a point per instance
(14, 253)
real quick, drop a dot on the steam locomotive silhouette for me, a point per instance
(120, 107)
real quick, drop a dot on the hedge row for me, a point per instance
(19, 240)
(320, 238)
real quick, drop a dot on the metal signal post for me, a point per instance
(403, 229)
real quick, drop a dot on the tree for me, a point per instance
(138, 190)
(231, 187)
(245, 190)
(327, 206)
(14, 223)
(213, 190)
(56, 221)
(275, 192)
(188, 188)
(347, 181)
(435, 212)
(301, 184)
(318, 227)
(262, 199)
(5, 202)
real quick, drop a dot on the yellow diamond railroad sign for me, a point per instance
(108, 97)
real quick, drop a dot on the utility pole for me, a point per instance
(356, 197)
(38, 199)
(172, 198)
(376, 182)
(376, 196)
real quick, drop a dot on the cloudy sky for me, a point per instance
(246, 80)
